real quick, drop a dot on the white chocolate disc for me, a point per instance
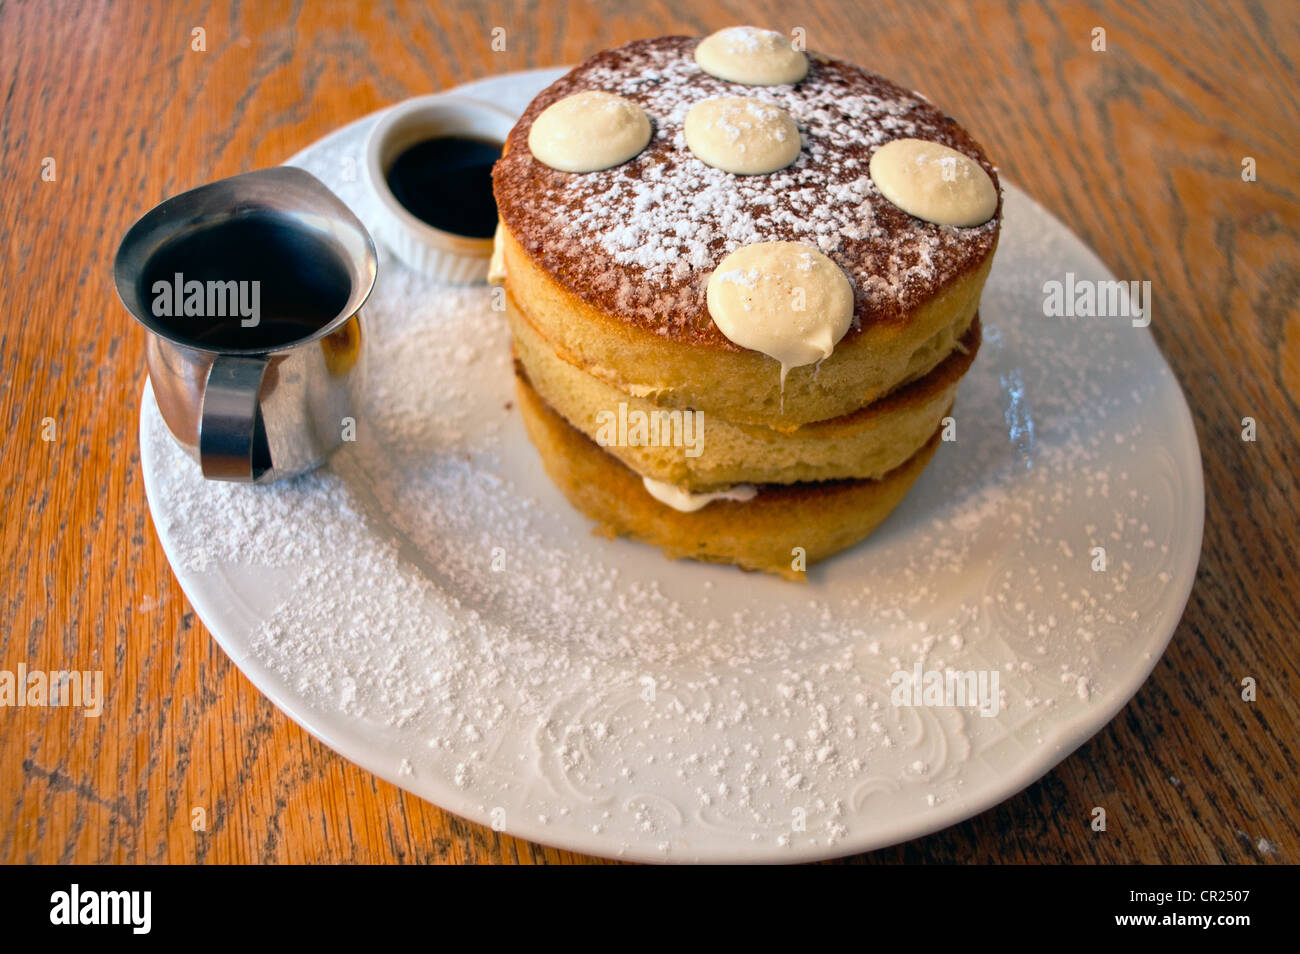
(742, 135)
(746, 54)
(589, 131)
(784, 299)
(933, 182)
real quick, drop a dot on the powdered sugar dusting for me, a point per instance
(645, 234)
(430, 603)
(747, 39)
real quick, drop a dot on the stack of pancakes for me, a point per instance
(605, 277)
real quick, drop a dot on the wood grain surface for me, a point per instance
(1138, 148)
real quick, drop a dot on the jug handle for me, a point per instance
(232, 433)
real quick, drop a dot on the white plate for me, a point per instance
(431, 608)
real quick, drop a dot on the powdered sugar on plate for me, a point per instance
(430, 605)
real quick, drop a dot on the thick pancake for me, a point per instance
(743, 386)
(766, 533)
(715, 453)
(613, 264)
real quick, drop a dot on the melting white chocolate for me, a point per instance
(746, 54)
(683, 500)
(589, 131)
(784, 299)
(740, 135)
(934, 183)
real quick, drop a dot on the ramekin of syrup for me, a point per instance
(429, 163)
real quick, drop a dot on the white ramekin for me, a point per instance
(455, 259)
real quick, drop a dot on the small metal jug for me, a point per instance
(247, 411)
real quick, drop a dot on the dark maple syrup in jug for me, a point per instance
(200, 284)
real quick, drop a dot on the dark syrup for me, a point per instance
(304, 284)
(447, 182)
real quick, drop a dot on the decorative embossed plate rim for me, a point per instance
(231, 602)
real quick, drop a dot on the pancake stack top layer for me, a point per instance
(639, 240)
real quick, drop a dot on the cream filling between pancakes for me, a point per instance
(687, 502)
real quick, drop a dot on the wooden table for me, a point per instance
(1138, 148)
